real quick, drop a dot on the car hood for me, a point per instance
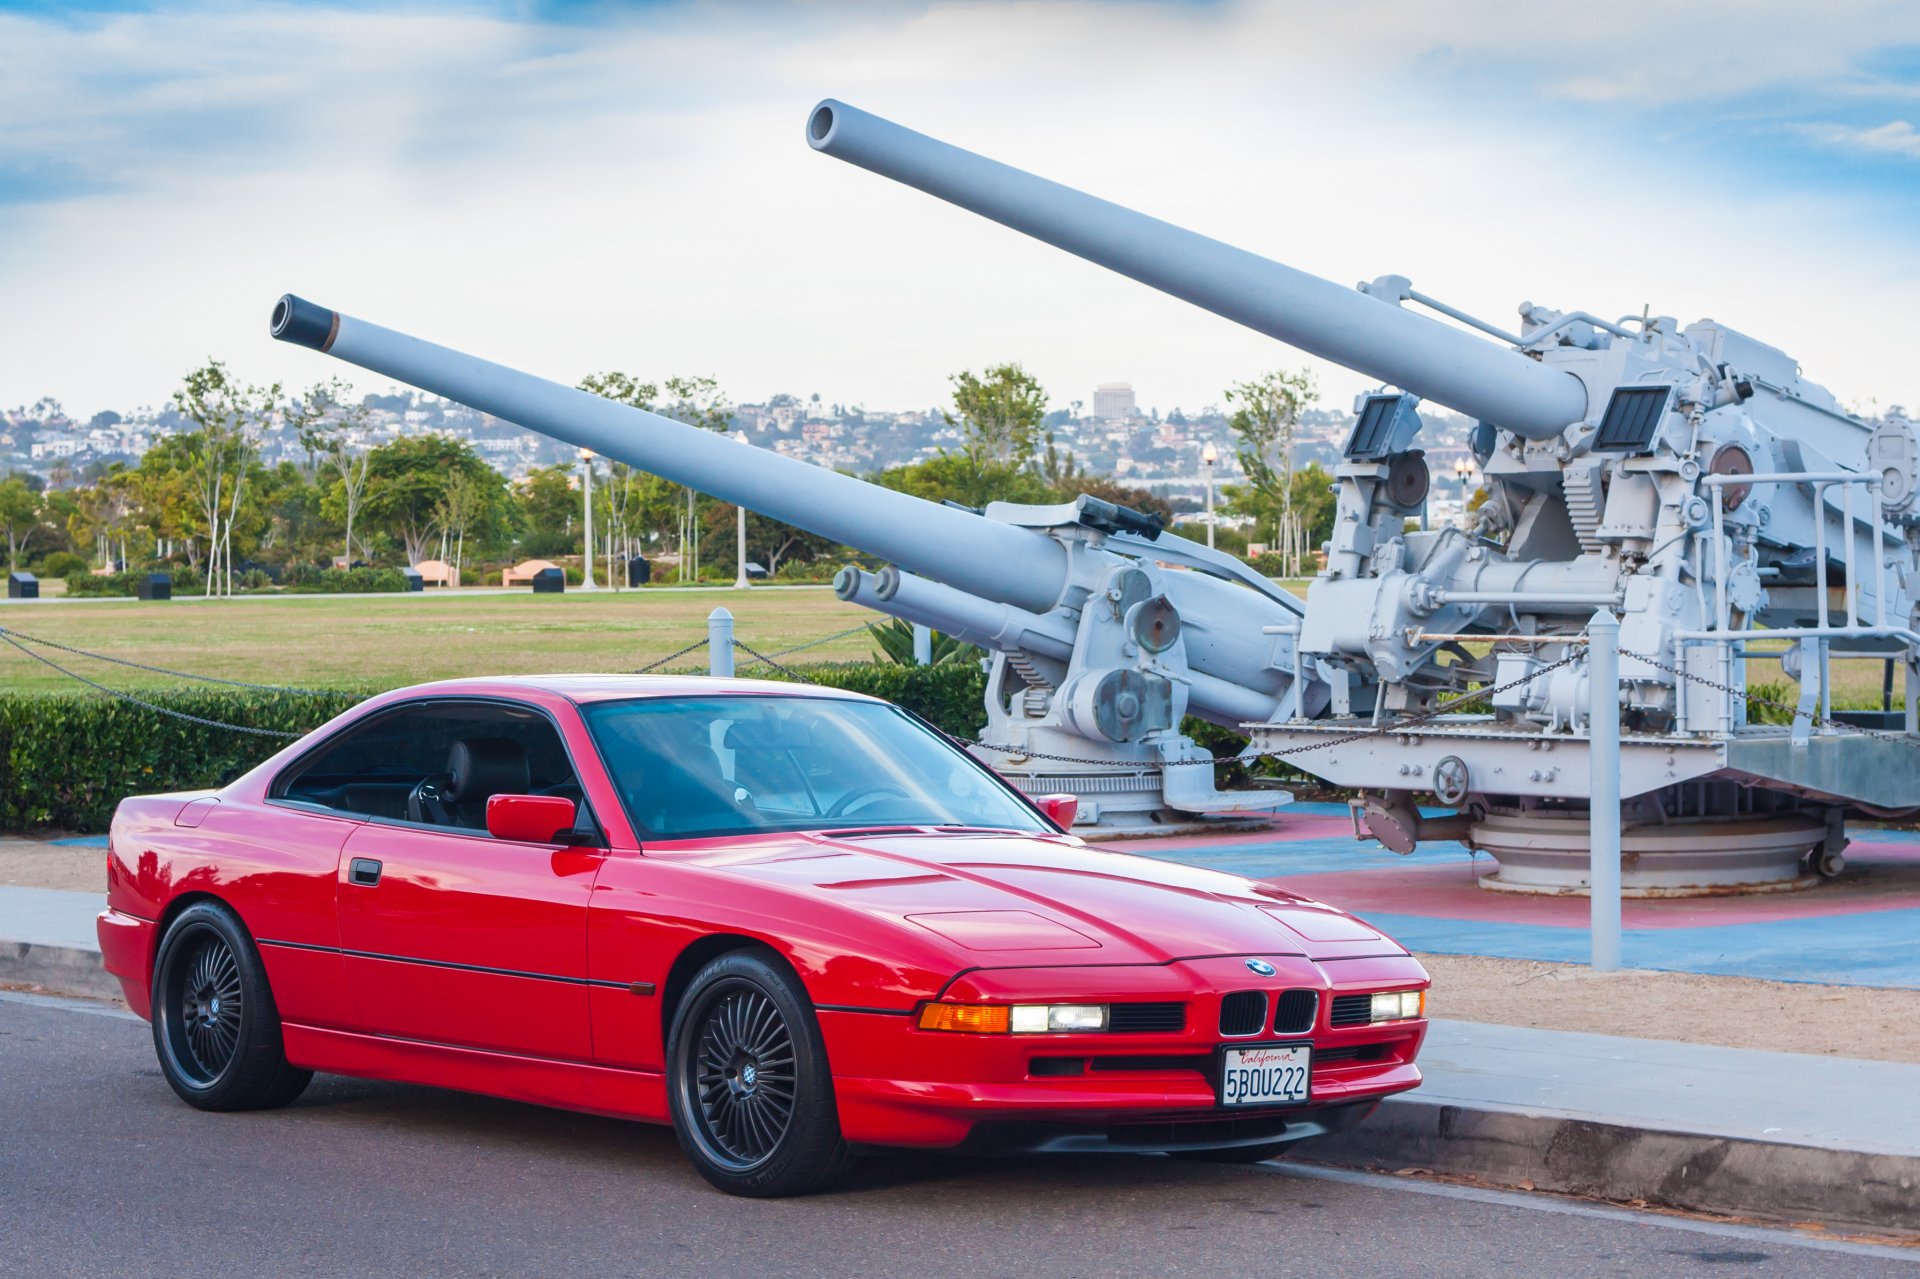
(1009, 899)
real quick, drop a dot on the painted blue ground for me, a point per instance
(1811, 943)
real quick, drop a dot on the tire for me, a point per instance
(748, 1083)
(1237, 1154)
(216, 1029)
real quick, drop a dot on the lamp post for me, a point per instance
(1208, 456)
(586, 560)
(1462, 469)
(740, 583)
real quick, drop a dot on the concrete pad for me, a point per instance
(50, 917)
(1791, 1098)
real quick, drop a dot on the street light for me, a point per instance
(741, 583)
(1462, 468)
(586, 560)
(1208, 456)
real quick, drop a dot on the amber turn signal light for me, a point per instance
(981, 1019)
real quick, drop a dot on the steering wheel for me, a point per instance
(427, 802)
(853, 797)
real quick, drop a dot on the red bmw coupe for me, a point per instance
(792, 922)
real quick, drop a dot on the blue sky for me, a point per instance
(570, 187)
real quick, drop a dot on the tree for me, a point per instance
(998, 413)
(407, 482)
(634, 499)
(20, 515)
(1267, 409)
(550, 505)
(462, 504)
(329, 427)
(953, 477)
(224, 445)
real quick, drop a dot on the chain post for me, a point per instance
(720, 644)
(1603, 808)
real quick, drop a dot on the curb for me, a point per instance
(1697, 1172)
(63, 970)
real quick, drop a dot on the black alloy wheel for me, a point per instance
(751, 1094)
(209, 1001)
(744, 1074)
(216, 1028)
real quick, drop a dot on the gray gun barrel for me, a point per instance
(969, 552)
(1418, 354)
(1004, 628)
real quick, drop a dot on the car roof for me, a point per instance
(604, 687)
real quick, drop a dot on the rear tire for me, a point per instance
(748, 1083)
(216, 1028)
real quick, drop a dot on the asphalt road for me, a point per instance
(103, 1172)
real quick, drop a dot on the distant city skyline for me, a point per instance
(572, 189)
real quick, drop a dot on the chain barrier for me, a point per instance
(19, 641)
(8, 636)
(1820, 721)
(825, 639)
(12, 635)
(670, 657)
(768, 660)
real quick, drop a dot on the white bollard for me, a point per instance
(720, 643)
(1603, 815)
(922, 645)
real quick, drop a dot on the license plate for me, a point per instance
(1265, 1074)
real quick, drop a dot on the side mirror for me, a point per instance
(531, 819)
(1059, 809)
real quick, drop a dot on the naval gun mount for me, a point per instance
(1688, 479)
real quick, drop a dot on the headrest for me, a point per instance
(484, 766)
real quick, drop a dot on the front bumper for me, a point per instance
(898, 1085)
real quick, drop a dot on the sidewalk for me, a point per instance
(1731, 1130)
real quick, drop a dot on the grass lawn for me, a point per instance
(320, 641)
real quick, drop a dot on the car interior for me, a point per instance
(435, 764)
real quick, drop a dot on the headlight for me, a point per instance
(1399, 1005)
(1038, 1018)
(1018, 1019)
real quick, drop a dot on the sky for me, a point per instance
(569, 188)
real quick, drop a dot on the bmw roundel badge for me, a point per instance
(1261, 968)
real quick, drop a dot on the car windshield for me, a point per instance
(688, 767)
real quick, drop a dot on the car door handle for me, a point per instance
(364, 871)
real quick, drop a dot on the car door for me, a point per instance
(451, 936)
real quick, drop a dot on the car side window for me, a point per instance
(436, 763)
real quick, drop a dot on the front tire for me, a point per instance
(216, 1028)
(748, 1083)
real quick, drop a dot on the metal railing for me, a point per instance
(1815, 642)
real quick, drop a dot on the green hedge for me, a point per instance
(337, 581)
(66, 761)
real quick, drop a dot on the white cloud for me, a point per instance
(1896, 137)
(570, 198)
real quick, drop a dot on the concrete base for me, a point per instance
(1549, 852)
(1107, 832)
(1628, 1163)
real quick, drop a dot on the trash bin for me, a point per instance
(549, 581)
(23, 586)
(414, 581)
(155, 586)
(639, 572)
